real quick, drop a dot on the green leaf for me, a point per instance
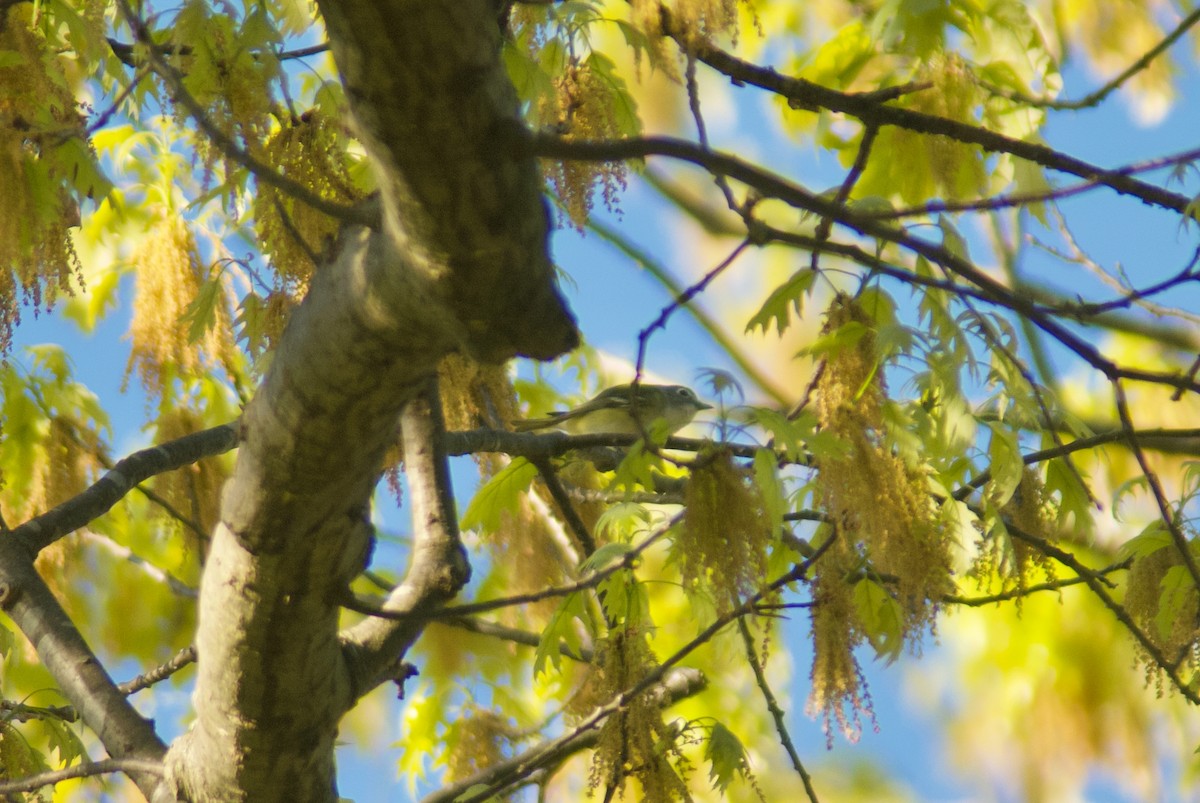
(501, 493)
(621, 520)
(88, 307)
(882, 618)
(1007, 465)
(1175, 590)
(250, 323)
(725, 755)
(636, 468)
(791, 436)
(620, 102)
(766, 477)
(602, 557)
(844, 337)
(561, 631)
(73, 161)
(1074, 502)
(624, 599)
(959, 521)
(1153, 537)
(420, 722)
(790, 295)
(952, 241)
(201, 314)
(61, 736)
(1127, 488)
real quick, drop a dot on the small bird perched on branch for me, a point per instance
(625, 410)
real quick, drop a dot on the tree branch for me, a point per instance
(678, 685)
(131, 766)
(38, 533)
(25, 598)
(773, 186)
(181, 659)
(804, 94)
(438, 568)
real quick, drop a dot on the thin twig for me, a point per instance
(224, 142)
(181, 659)
(1021, 593)
(1096, 584)
(1182, 544)
(675, 287)
(682, 300)
(777, 713)
(628, 561)
(1098, 96)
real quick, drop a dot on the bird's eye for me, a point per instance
(684, 392)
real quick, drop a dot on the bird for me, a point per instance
(624, 410)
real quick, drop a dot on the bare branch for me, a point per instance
(1021, 593)
(181, 659)
(676, 288)
(38, 533)
(127, 765)
(775, 186)
(814, 97)
(682, 300)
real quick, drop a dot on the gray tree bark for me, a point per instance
(459, 262)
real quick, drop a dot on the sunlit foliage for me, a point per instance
(953, 418)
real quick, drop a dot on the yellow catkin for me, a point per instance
(871, 494)
(194, 490)
(1144, 597)
(524, 542)
(838, 694)
(692, 19)
(722, 545)
(583, 107)
(229, 80)
(634, 741)
(958, 168)
(36, 213)
(1015, 562)
(477, 742)
(474, 394)
(309, 151)
(169, 273)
